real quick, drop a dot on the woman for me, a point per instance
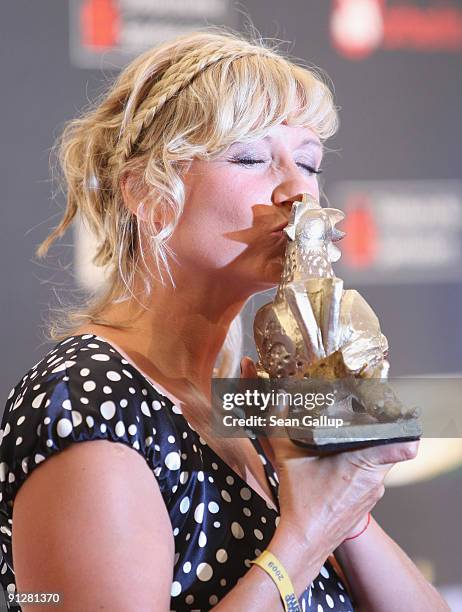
(185, 172)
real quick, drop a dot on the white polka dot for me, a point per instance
(184, 477)
(76, 418)
(202, 539)
(184, 505)
(340, 585)
(225, 495)
(89, 385)
(247, 511)
(171, 439)
(214, 465)
(114, 376)
(199, 513)
(156, 405)
(330, 601)
(132, 429)
(258, 534)
(320, 608)
(213, 507)
(230, 480)
(145, 409)
(90, 421)
(84, 372)
(200, 476)
(124, 403)
(187, 567)
(324, 572)
(237, 530)
(36, 402)
(341, 597)
(189, 599)
(245, 493)
(46, 420)
(107, 390)
(100, 357)
(120, 429)
(39, 458)
(221, 555)
(103, 427)
(84, 400)
(176, 589)
(204, 572)
(108, 409)
(67, 404)
(213, 599)
(217, 524)
(321, 585)
(49, 443)
(64, 428)
(20, 420)
(127, 373)
(173, 461)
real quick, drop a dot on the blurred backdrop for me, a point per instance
(394, 167)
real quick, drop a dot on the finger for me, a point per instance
(248, 368)
(391, 453)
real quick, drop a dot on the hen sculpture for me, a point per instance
(315, 329)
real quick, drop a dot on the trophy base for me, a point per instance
(326, 440)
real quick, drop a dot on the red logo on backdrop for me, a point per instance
(100, 24)
(359, 27)
(359, 247)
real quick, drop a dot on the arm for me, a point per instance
(302, 559)
(90, 522)
(382, 577)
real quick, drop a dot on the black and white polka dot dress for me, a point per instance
(84, 389)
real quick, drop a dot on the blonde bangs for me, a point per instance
(241, 100)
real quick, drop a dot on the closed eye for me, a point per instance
(251, 162)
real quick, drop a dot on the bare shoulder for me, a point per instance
(91, 523)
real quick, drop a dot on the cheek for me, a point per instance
(216, 204)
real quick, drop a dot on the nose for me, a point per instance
(292, 187)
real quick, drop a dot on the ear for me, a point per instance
(134, 194)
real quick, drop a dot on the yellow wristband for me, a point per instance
(268, 562)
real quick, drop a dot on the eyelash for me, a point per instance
(251, 162)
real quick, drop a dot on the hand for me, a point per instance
(327, 498)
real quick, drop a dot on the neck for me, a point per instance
(178, 334)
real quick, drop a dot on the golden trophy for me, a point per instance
(319, 334)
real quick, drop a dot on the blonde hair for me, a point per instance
(189, 98)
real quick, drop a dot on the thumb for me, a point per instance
(248, 368)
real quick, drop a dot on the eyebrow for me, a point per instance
(308, 141)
